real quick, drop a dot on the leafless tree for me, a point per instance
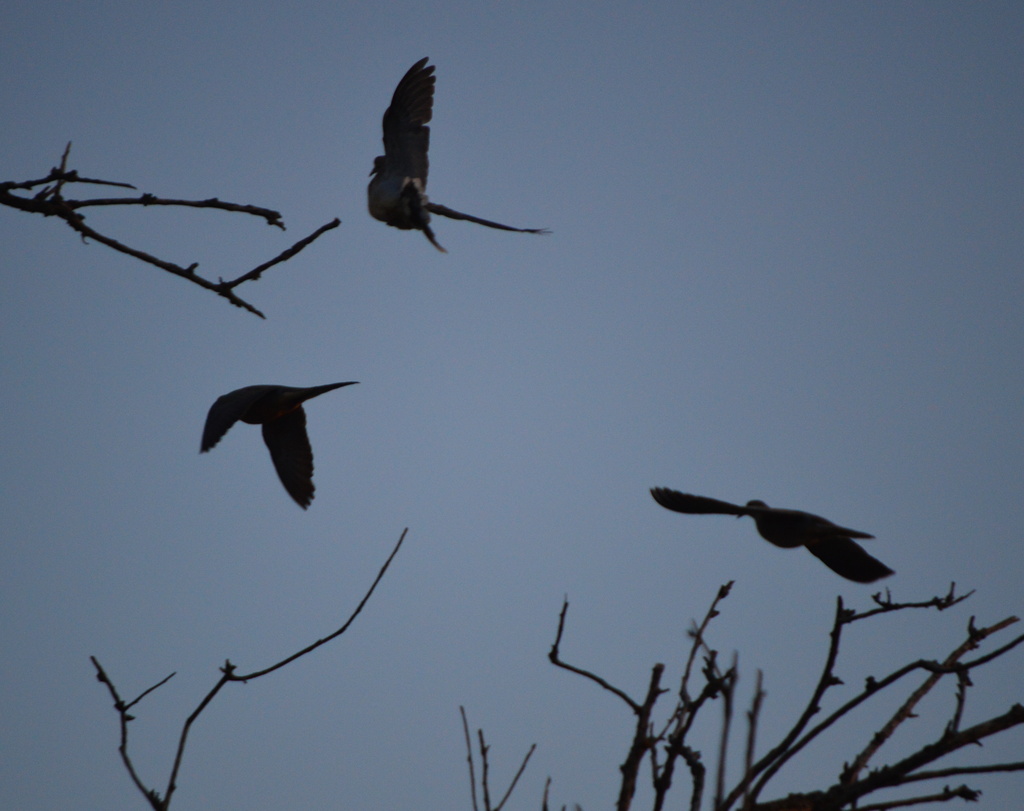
(665, 744)
(51, 202)
(228, 675)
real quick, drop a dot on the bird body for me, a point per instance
(279, 410)
(397, 193)
(832, 544)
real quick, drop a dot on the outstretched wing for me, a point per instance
(847, 558)
(226, 411)
(444, 211)
(288, 443)
(406, 138)
(846, 531)
(694, 505)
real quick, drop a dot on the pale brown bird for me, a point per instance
(397, 191)
(279, 410)
(831, 544)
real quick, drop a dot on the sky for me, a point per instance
(784, 265)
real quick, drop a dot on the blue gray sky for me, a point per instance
(785, 264)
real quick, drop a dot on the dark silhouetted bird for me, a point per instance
(397, 192)
(831, 544)
(279, 410)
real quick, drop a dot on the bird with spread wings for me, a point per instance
(279, 410)
(833, 545)
(397, 191)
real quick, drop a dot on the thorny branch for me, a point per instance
(50, 202)
(228, 674)
(668, 743)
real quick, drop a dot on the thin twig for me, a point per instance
(512, 785)
(555, 660)
(310, 648)
(728, 690)
(642, 740)
(484, 768)
(961, 792)
(227, 675)
(50, 203)
(753, 714)
(887, 604)
(469, 759)
(826, 680)
(906, 710)
(873, 686)
(122, 710)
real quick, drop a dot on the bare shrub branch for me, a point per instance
(485, 787)
(667, 743)
(50, 202)
(228, 674)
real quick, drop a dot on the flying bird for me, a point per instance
(831, 544)
(397, 191)
(279, 410)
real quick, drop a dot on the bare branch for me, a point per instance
(642, 743)
(272, 217)
(728, 691)
(873, 781)
(122, 710)
(752, 716)
(284, 256)
(935, 774)
(147, 691)
(852, 785)
(697, 633)
(555, 660)
(773, 760)
(50, 202)
(961, 792)
(227, 675)
(886, 604)
(469, 759)
(485, 770)
(906, 710)
(512, 785)
(308, 649)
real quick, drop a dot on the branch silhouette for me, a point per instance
(51, 202)
(228, 674)
(665, 744)
(485, 788)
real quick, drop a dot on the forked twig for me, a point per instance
(485, 787)
(227, 675)
(668, 743)
(50, 202)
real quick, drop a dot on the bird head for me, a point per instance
(378, 165)
(754, 503)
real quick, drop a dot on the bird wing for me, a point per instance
(289, 447)
(694, 505)
(444, 211)
(846, 557)
(406, 138)
(846, 531)
(227, 410)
